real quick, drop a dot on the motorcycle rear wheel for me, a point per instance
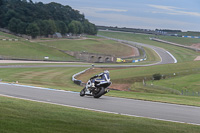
(99, 93)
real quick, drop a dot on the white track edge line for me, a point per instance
(175, 60)
(99, 110)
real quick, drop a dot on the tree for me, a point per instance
(73, 28)
(76, 27)
(50, 17)
(89, 28)
(52, 27)
(33, 30)
(80, 27)
(42, 26)
(92, 29)
(61, 27)
(14, 25)
(8, 16)
(22, 28)
(1, 3)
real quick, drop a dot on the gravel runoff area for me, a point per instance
(23, 61)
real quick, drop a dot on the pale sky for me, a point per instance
(150, 14)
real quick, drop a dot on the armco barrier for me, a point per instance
(175, 44)
(78, 82)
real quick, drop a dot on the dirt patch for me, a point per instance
(122, 87)
(197, 59)
(197, 45)
(92, 72)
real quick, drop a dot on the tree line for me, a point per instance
(39, 19)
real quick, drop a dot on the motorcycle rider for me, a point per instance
(103, 77)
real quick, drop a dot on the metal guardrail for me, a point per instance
(175, 44)
(76, 81)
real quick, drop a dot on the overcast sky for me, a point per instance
(150, 14)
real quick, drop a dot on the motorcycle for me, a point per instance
(100, 89)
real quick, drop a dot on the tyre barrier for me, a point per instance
(134, 61)
(9, 40)
(76, 81)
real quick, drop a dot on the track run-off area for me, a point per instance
(121, 106)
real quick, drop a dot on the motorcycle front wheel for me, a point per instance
(82, 93)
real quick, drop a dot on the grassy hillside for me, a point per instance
(28, 50)
(182, 83)
(181, 54)
(37, 50)
(23, 49)
(100, 46)
(7, 36)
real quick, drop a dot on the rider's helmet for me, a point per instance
(106, 71)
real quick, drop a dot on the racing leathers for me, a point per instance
(104, 77)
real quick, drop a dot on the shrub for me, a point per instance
(157, 76)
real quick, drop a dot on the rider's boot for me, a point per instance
(87, 92)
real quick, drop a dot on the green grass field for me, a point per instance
(28, 50)
(181, 54)
(179, 40)
(8, 36)
(58, 78)
(182, 83)
(31, 117)
(100, 46)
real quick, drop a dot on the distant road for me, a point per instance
(166, 57)
(130, 107)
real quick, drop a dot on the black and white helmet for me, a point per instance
(106, 71)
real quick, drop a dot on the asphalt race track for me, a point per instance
(137, 108)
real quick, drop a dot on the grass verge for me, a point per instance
(31, 117)
(58, 78)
